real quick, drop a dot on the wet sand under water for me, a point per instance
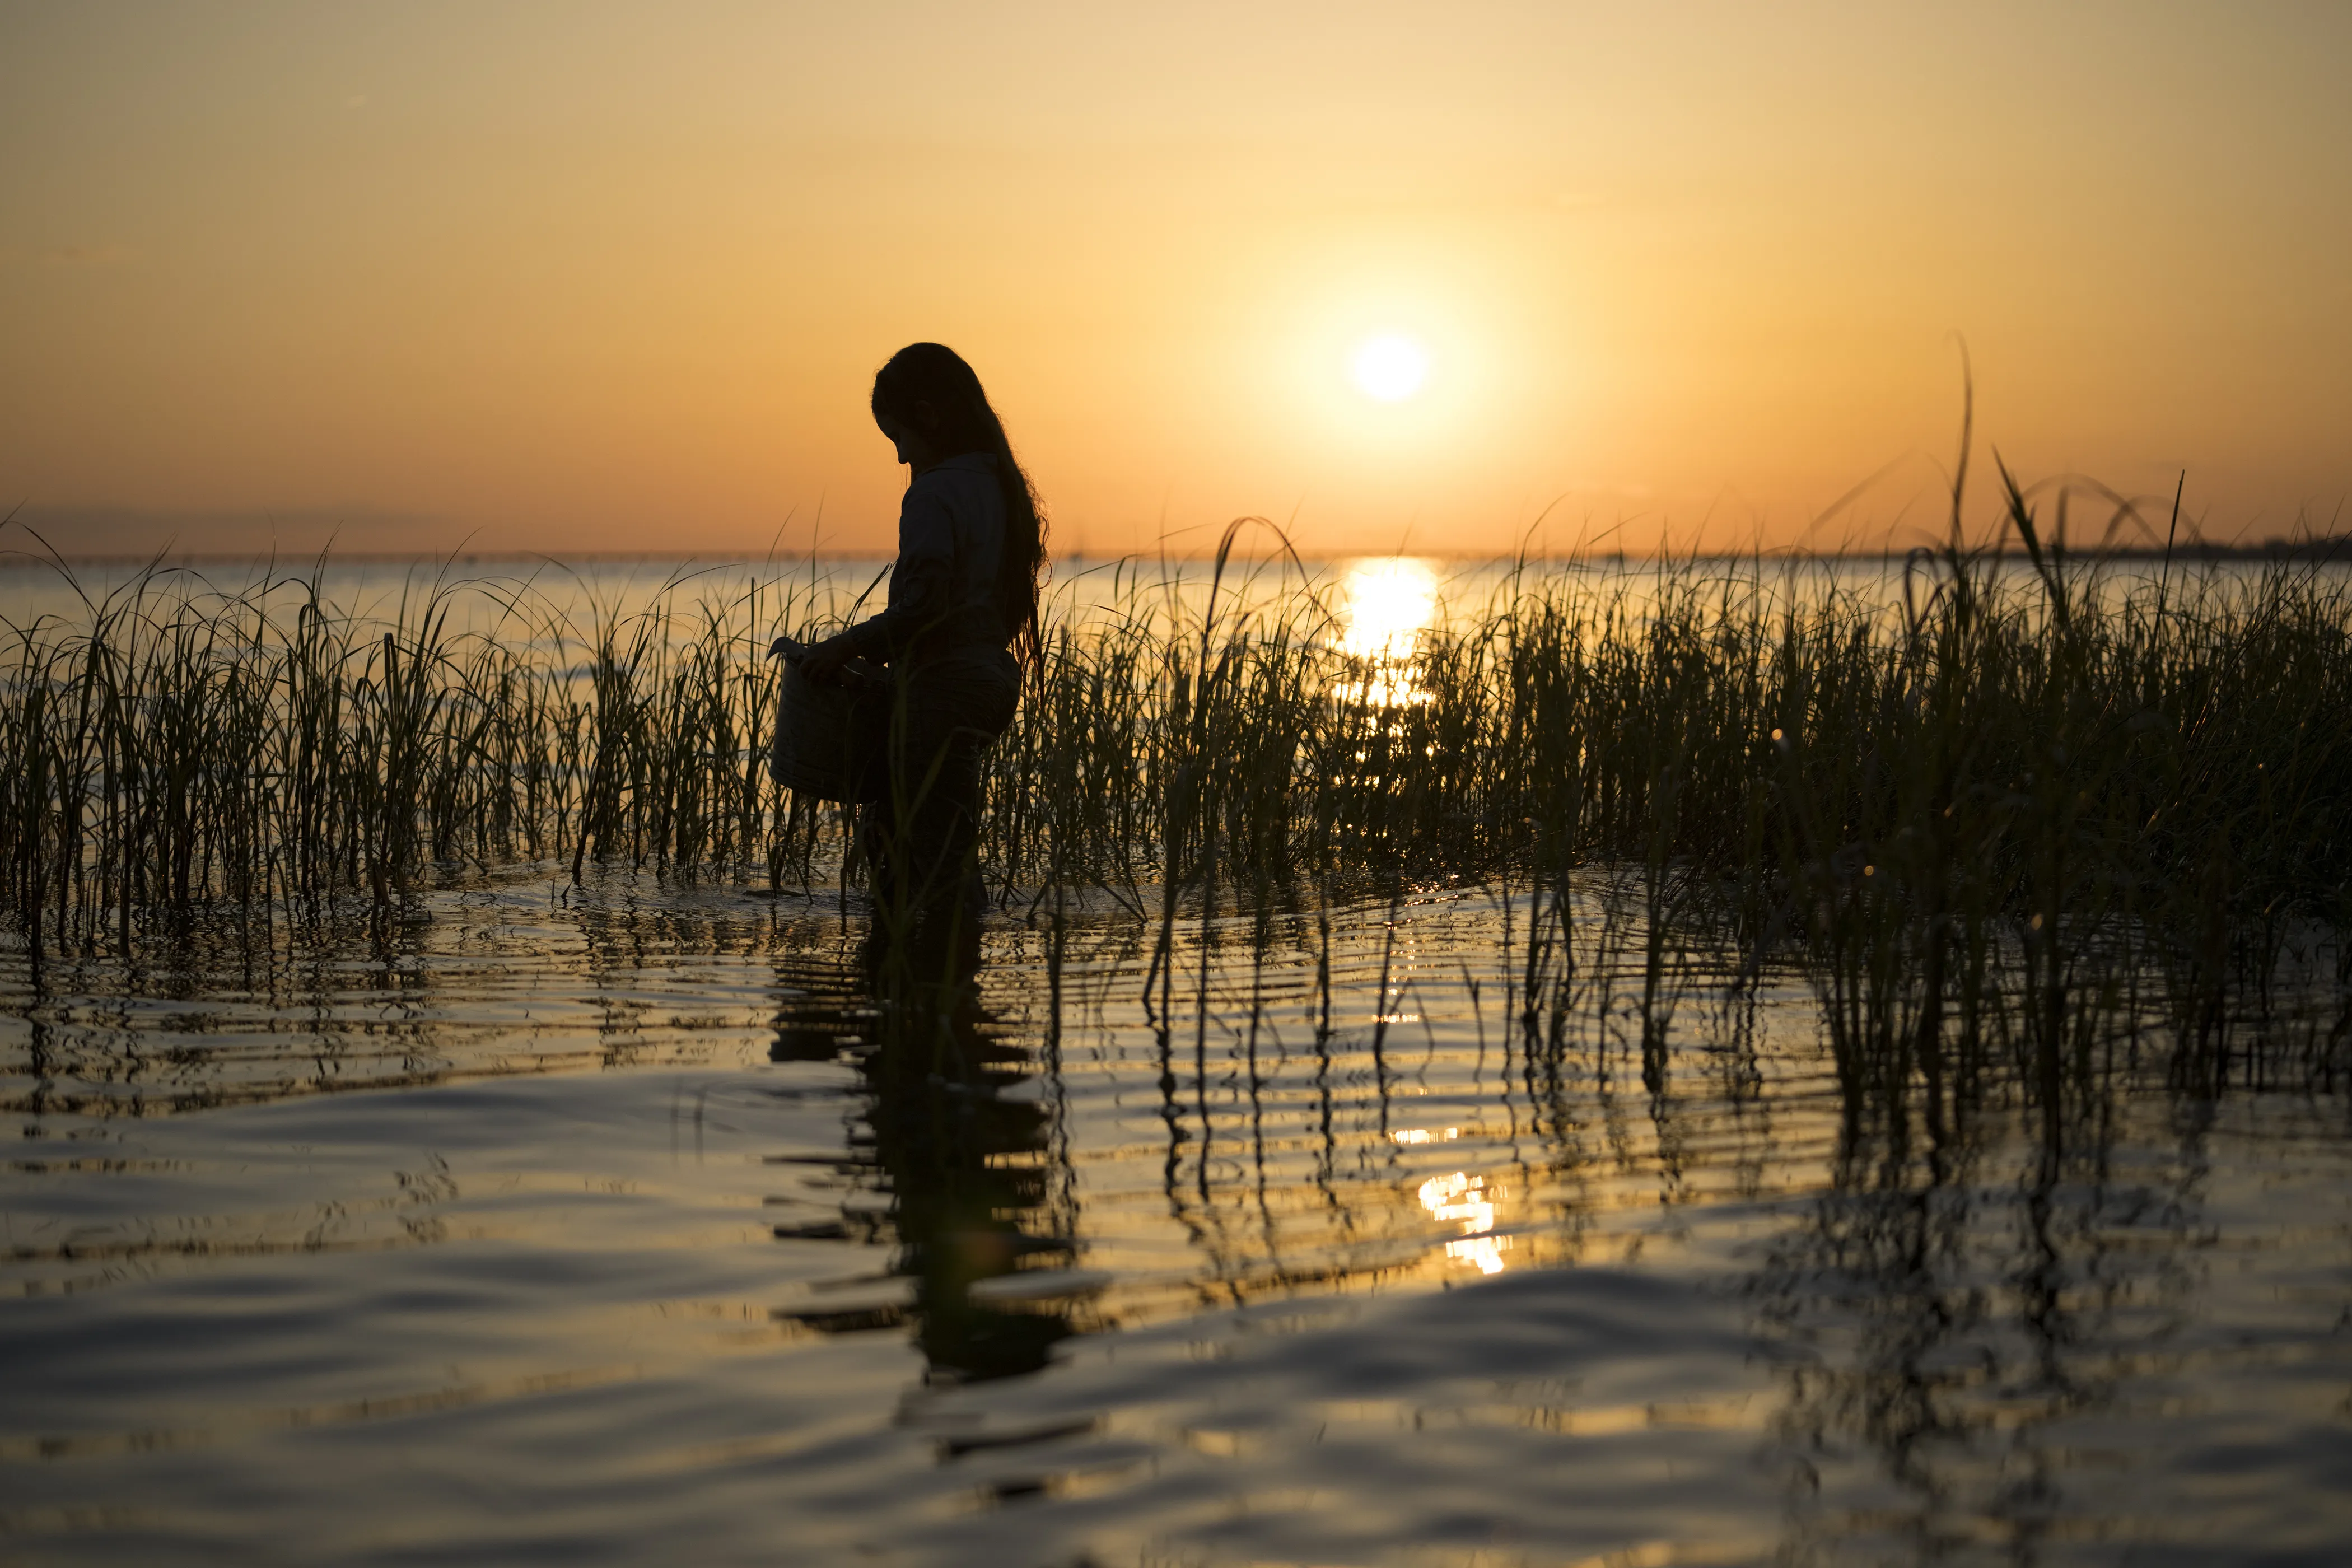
(620, 1239)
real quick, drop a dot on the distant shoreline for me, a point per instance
(2336, 547)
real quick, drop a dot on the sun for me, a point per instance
(1391, 367)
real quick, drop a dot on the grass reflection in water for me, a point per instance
(1896, 1325)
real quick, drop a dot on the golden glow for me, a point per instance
(1391, 367)
(533, 276)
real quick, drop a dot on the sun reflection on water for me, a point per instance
(1465, 1200)
(1390, 601)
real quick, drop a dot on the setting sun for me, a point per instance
(421, 277)
(1391, 367)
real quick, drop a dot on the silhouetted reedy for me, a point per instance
(2025, 812)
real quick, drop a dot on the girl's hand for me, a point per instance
(821, 662)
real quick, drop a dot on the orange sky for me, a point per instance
(577, 277)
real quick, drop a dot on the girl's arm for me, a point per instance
(919, 589)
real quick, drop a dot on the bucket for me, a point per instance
(829, 740)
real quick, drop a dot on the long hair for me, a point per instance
(959, 420)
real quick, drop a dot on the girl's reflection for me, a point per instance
(965, 1165)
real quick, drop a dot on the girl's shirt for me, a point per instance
(942, 602)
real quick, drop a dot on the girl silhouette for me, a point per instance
(957, 629)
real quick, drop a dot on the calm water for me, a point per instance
(623, 1224)
(595, 1227)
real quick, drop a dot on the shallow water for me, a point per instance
(600, 1227)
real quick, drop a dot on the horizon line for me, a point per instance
(2316, 544)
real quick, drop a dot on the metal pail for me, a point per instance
(829, 739)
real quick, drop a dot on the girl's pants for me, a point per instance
(921, 838)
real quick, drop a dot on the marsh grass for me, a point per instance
(2007, 807)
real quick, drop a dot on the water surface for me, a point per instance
(623, 1224)
(632, 1221)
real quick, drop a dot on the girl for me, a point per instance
(957, 629)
